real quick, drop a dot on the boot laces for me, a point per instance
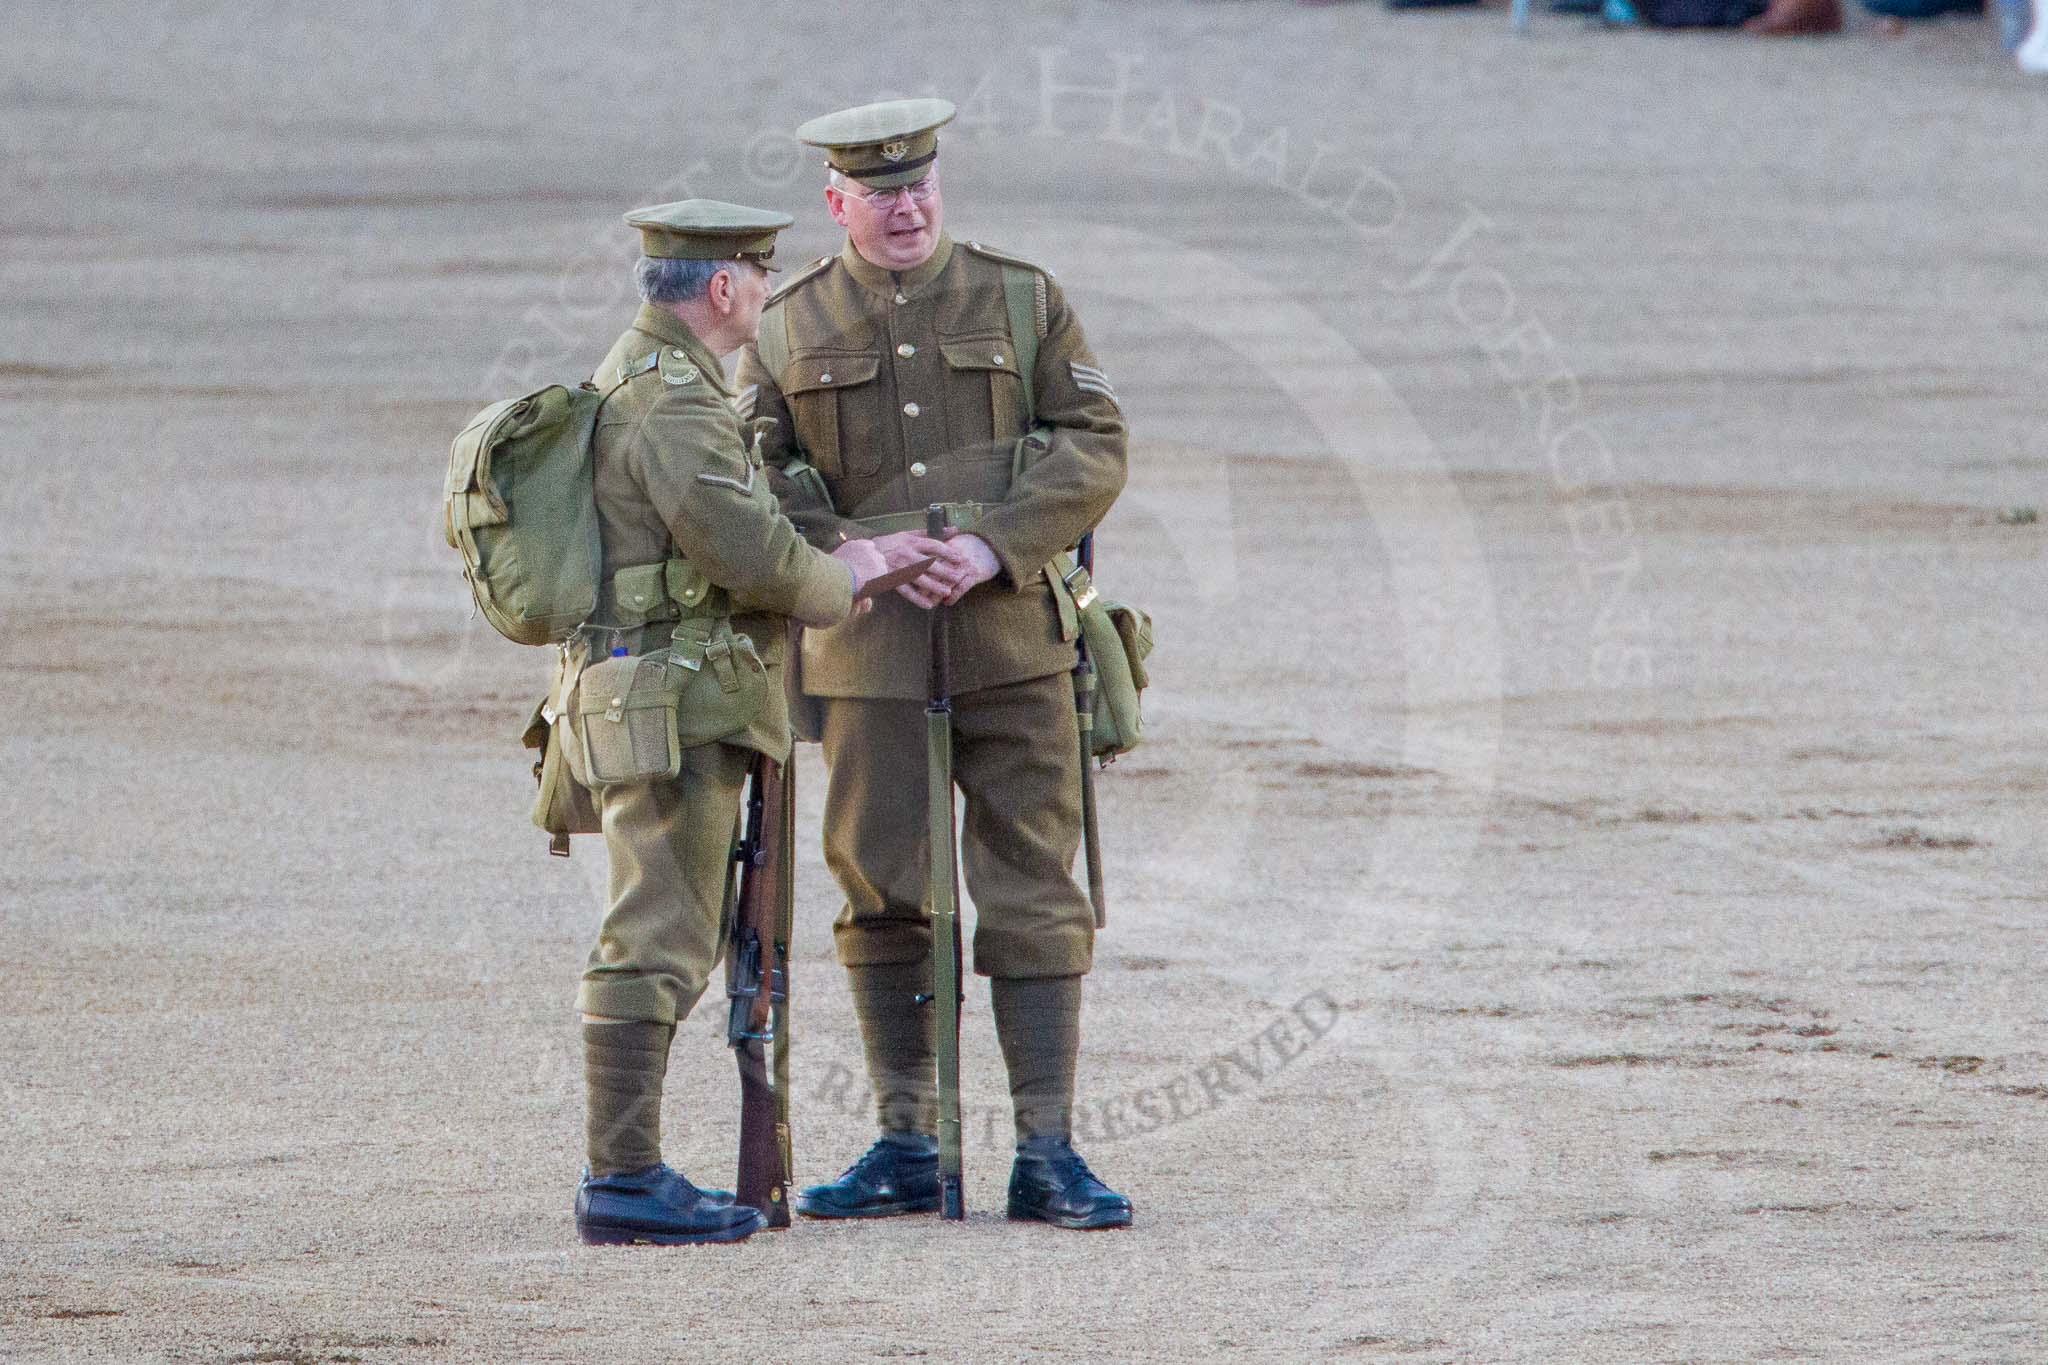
(882, 1150)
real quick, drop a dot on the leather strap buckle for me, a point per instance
(1084, 595)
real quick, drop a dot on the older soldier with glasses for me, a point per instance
(892, 376)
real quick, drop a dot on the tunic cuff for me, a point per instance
(827, 593)
(1018, 576)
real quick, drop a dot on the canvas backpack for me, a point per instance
(518, 505)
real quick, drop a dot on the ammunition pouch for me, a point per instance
(658, 592)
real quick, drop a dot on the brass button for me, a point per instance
(639, 598)
(675, 352)
(825, 378)
(906, 350)
(998, 357)
(902, 297)
(911, 409)
(917, 469)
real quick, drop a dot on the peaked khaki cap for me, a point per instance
(708, 230)
(891, 143)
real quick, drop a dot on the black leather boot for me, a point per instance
(1051, 1184)
(899, 1174)
(658, 1205)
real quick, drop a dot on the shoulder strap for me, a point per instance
(1020, 296)
(630, 369)
(776, 294)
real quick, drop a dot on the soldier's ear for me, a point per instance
(719, 291)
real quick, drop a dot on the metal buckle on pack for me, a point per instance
(719, 655)
(686, 641)
(1085, 597)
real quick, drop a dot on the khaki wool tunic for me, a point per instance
(674, 479)
(903, 390)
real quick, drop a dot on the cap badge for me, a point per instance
(897, 150)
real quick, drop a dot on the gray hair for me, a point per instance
(660, 280)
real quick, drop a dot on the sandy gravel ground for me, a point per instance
(1582, 900)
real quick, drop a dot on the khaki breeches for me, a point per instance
(1016, 759)
(670, 844)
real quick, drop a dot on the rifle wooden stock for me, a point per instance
(757, 982)
(944, 890)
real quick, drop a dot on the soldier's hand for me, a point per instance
(866, 561)
(931, 587)
(975, 562)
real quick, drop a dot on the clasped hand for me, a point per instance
(959, 562)
(962, 561)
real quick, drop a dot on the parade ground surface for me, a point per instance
(1581, 894)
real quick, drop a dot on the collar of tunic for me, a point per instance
(671, 331)
(879, 281)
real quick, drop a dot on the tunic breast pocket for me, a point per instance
(831, 401)
(984, 392)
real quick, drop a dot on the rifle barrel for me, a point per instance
(939, 679)
(944, 891)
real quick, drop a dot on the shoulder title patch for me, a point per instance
(676, 367)
(984, 249)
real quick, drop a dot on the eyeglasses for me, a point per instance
(879, 200)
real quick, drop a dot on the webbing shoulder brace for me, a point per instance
(773, 346)
(1020, 298)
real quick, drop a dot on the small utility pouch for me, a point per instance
(563, 806)
(623, 722)
(1119, 636)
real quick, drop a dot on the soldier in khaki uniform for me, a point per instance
(699, 563)
(887, 378)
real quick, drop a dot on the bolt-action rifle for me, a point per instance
(757, 980)
(944, 890)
